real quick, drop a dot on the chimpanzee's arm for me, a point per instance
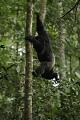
(37, 44)
(33, 40)
(39, 71)
(39, 26)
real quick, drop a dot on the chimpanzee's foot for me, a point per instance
(35, 74)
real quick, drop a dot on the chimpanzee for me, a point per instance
(42, 45)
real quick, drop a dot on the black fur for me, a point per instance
(42, 45)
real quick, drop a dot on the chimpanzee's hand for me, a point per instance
(28, 37)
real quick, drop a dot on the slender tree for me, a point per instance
(78, 32)
(42, 15)
(61, 42)
(61, 56)
(29, 64)
(43, 9)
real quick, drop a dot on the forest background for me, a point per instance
(50, 99)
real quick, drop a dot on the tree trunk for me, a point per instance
(42, 16)
(79, 44)
(61, 43)
(29, 64)
(61, 58)
(43, 9)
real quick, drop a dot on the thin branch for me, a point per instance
(76, 4)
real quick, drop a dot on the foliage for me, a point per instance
(47, 96)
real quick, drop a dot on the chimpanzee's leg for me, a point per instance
(39, 71)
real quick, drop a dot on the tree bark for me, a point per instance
(61, 43)
(42, 16)
(43, 9)
(61, 58)
(29, 64)
(78, 32)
